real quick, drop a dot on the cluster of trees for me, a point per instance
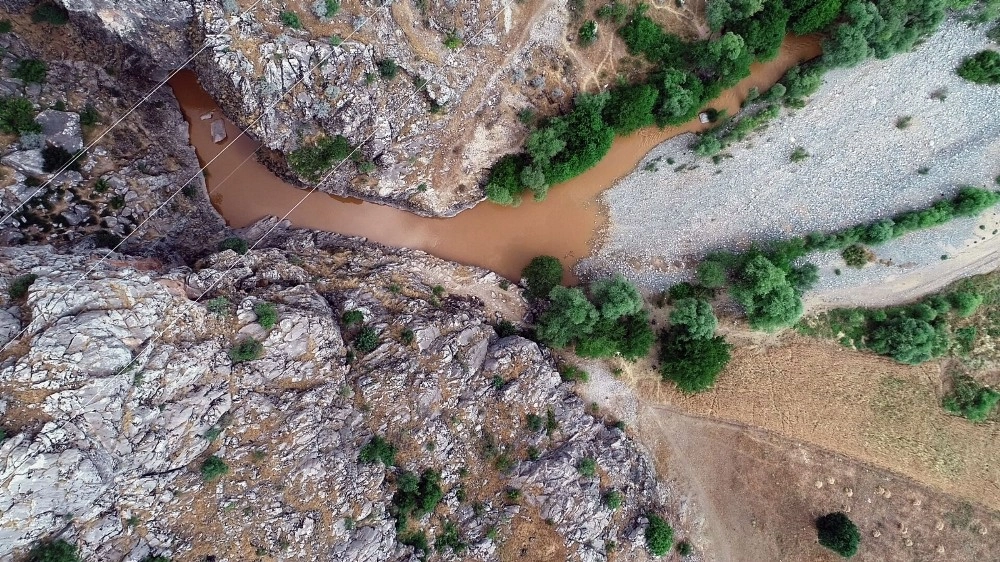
(606, 320)
(691, 355)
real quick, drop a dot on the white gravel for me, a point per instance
(861, 168)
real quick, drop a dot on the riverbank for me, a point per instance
(864, 164)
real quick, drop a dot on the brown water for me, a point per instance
(503, 239)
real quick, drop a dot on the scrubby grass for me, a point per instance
(291, 19)
(31, 71)
(267, 314)
(311, 160)
(18, 287)
(213, 468)
(17, 116)
(246, 350)
(378, 450)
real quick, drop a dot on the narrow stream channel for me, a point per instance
(503, 239)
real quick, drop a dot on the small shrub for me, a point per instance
(613, 500)
(213, 468)
(513, 494)
(219, 305)
(18, 286)
(291, 19)
(971, 400)
(659, 535)
(310, 160)
(54, 551)
(247, 350)
(236, 244)
(452, 40)
(17, 116)
(799, 154)
(526, 116)
(981, 68)
(534, 422)
(904, 121)
(407, 336)
(89, 116)
(587, 467)
(378, 450)
(711, 274)
(684, 548)
(837, 532)
(570, 373)
(966, 303)
(6, 26)
(57, 159)
(450, 539)
(367, 340)
(50, 13)
(551, 424)
(505, 328)
(157, 558)
(387, 68)
(541, 275)
(855, 256)
(587, 33)
(352, 317)
(31, 71)
(267, 314)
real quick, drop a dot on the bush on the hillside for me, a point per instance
(387, 68)
(291, 19)
(378, 450)
(711, 274)
(570, 316)
(971, 400)
(17, 116)
(503, 186)
(695, 316)
(366, 340)
(50, 13)
(766, 294)
(613, 500)
(630, 336)
(587, 33)
(267, 314)
(213, 468)
(855, 256)
(236, 244)
(981, 68)
(31, 70)
(54, 551)
(966, 303)
(352, 317)
(907, 340)
(6, 26)
(801, 82)
(247, 350)
(310, 160)
(540, 275)
(56, 158)
(587, 467)
(659, 535)
(18, 287)
(692, 364)
(417, 496)
(630, 108)
(837, 532)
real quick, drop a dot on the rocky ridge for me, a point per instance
(118, 392)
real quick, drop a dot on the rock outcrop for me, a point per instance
(123, 384)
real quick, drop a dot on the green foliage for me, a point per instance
(218, 305)
(711, 274)
(407, 336)
(659, 535)
(387, 68)
(707, 145)
(727, 59)
(587, 467)
(905, 339)
(310, 160)
(158, 558)
(417, 496)
(767, 295)
(291, 19)
(505, 328)
(570, 373)
(614, 11)
(417, 539)
(615, 298)
(267, 314)
(808, 17)
(801, 82)
(799, 154)
(630, 108)
(534, 422)
(692, 363)
(966, 303)
(235, 244)
(352, 317)
(450, 539)
(587, 33)
(332, 7)
(540, 276)
(31, 70)
(89, 116)
(247, 350)
(971, 400)
(764, 32)
(18, 287)
(56, 159)
(981, 68)
(6, 26)
(213, 468)
(50, 13)
(570, 316)
(684, 548)
(503, 186)
(568, 145)
(378, 450)
(54, 551)
(695, 317)
(17, 116)
(837, 532)
(855, 256)
(452, 40)
(613, 500)
(366, 340)
(681, 94)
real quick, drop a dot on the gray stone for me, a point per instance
(61, 129)
(29, 162)
(218, 131)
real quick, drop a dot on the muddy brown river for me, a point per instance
(567, 224)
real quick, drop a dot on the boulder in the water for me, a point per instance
(218, 131)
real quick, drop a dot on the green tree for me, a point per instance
(213, 468)
(971, 400)
(966, 303)
(504, 184)
(378, 450)
(711, 274)
(616, 297)
(680, 96)
(765, 31)
(803, 277)
(54, 551)
(907, 340)
(981, 68)
(540, 275)
(802, 82)
(695, 316)
(846, 47)
(837, 532)
(727, 58)
(659, 535)
(569, 317)
(766, 295)
(809, 17)
(587, 33)
(630, 108)
(692, 364)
